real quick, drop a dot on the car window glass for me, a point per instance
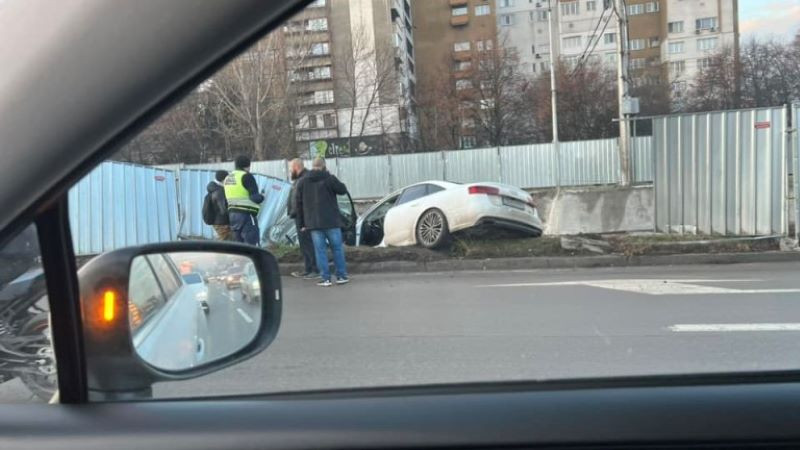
(192, 278)
(165, 272)
(27, 368)
(147, 299)
(433, 188)
(413, 193)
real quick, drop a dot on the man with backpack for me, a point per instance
(215, 207)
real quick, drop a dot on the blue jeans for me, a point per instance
(322, 238)
(244, 227)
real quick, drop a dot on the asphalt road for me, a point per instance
(405, 329)
(231, 322)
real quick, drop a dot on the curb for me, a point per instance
(559, 262)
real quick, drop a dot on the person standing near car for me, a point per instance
(318, 212)
(298, 171)
(215, 207)
(244, 200)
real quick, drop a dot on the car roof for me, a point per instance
(103, 70)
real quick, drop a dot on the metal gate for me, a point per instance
(721, 172)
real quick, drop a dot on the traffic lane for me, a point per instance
(441, 328)
(231, 322)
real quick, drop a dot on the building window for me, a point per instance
(677, 67)
(463, 65)
(320, 49)
(611, 58)
(486, 45)
(638, 63)
(317, 24)
(506, 20)
(570, 8)
(572, 42)
(323, 97)
(483, 10)
(463, 84)
(610, 38)
(676, 47)
(704, 63)
(635, 10)
(312, 121)
(707, 44)
(637, 44)
(706, 23)
(675, 27)
(543, 66)
(655, 42)
(460, 11)
(316, 4)
(461, 46)
(468, 142)
(506, 3)
(533, 67)
(533, 49)
(329, 120)
(321, 73)
(591, 5)
(487, 103)
(652, 7)
(542, 15)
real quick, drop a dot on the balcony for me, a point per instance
(459, 21)
(459, 2)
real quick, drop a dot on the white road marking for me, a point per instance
(658, 287)
(244, 315)
(722, 327)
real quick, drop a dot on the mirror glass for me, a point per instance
(190, 309)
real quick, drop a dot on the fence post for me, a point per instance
(391, 174)
(499, 165)
(444, 166)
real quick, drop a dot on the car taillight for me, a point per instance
(488, 190)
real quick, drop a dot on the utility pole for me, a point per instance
(623, 93)
(552, 16)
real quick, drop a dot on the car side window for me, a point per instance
(27, 367)
(147, 299)
(413, 193)
(432, 189)
(170, 282)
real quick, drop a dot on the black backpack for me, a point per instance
(209, 210)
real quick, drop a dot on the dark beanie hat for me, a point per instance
(242, 162)
(220, 175)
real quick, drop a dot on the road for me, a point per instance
(232, 322)
(405, 329)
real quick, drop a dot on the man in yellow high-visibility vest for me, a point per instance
(244, 202)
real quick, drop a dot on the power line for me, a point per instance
(585, 57)
(589, 42)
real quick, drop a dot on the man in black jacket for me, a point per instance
(298, 171)
(215, 207)
(318, 212)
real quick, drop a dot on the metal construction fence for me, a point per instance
(119, 205)
(795, 139)
(722, 172)
(577, 163)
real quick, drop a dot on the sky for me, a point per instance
(769, 18)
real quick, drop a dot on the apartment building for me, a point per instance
(670, 39)
(448, 34)
(354, 66)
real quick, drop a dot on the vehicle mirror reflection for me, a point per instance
(190, 309)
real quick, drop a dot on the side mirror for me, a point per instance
(146, 321)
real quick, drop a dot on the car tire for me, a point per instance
(432, 229)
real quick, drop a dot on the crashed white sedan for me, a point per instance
(428, 213)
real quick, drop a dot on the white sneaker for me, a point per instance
(325, 283)
(342, 280)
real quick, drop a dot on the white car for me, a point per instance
(427, 213)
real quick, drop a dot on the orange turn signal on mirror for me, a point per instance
(109, 305)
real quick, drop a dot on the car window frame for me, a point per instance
(170, 269)
(164, 298)
(401, 201)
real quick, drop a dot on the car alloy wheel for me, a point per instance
(432, 229)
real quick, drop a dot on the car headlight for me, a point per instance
(256, 285)
(202, 295)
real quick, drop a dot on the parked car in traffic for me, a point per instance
(233, 280)
(251, 286)
(194, 281)
(164, 315)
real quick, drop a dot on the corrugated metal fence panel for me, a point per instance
(193, 183)
(366, 176)
(589, 162)
(212, 166)
(642, 159)
(721, 172)
(416, 167)
(119, 205)
(469, 166)
(528, 166)
(796, 167)
(276, 169)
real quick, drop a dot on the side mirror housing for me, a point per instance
(145, 322)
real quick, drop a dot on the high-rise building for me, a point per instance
(670, 39)
(448, 34)
(352, 62)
